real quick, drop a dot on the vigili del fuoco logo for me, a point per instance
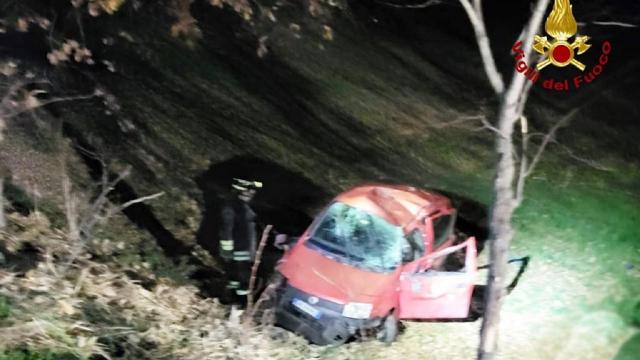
(560, 51)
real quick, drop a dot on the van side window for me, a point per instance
(442, 228)
(416, 241)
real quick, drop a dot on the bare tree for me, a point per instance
(512, 169)
(81, 223)
(508, 183)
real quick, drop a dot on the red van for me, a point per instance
(372, 257)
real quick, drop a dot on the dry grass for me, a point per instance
(89, 307)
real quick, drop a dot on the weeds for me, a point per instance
(93, 308)
(5, 307)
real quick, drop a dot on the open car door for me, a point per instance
(435, 294)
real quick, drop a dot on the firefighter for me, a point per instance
(237, 238)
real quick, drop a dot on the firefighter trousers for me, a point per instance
(238, 270)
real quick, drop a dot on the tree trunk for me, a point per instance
(500, 226)
(513, 99)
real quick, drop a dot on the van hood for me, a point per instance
(315, 273)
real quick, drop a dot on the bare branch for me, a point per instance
(133, 202)
(486, 125)
(254, 271)
(477, 6)
(609, 23)
(80, 27)
(69, 98)
(524, 96)
(474, 13)
(71, 208)
(591, 163)
(515, 94)
(92, 215)
(19, 107)
(104, 176)
(548, 138)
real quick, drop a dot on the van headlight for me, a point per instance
(357, 310)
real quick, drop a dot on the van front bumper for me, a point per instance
(322, 323)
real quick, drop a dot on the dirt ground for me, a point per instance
(549, 315)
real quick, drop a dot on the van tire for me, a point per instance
(389, 329)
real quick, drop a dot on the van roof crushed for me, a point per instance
(397, 204)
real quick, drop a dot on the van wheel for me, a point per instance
(389, 329)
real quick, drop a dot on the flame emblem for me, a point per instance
(561, 26)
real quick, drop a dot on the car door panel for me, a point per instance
(430, 294)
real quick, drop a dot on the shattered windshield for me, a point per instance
(358, 238)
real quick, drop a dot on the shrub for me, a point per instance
(26, 354)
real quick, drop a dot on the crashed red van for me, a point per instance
(372, 257)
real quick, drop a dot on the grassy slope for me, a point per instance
(579, 225)
(367, 108)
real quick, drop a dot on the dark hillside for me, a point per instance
(381, 102)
